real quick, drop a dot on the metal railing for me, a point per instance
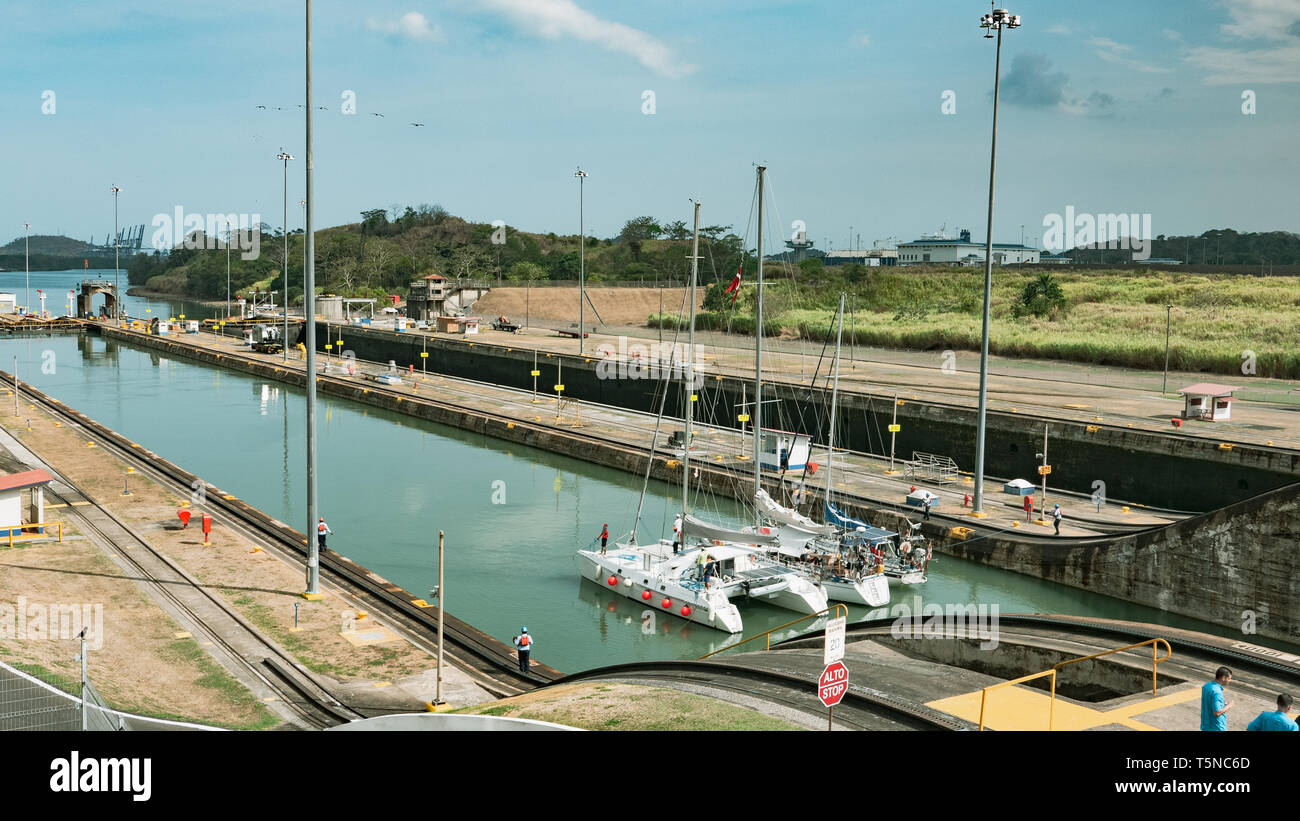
(1051, 711)
(23, 527)
(768, 634)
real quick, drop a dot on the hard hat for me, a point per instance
(523, 629)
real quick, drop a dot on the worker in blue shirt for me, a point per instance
(525, 644)
(1278, 720)
(1214, 707)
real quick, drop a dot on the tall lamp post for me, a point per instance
(285, 156)
(996, 20)
(309, 318)
(117, 277)
(582, 265)
(1164, 384)
(26, 253)
(227, 270)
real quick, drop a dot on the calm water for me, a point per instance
(56, 285)
(388, 484)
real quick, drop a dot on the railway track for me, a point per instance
(210, 619)
(862, 708)
(489, 662)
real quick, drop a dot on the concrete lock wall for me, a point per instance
(1162, 470)
(1213, 566)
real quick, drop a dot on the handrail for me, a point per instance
(21, 527)
(1051, 713)
(768, 635)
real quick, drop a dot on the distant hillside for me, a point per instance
(52, 245)
(1221, 246)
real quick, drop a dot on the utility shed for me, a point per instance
(782, 450)
(12, 489)
(1205, 400)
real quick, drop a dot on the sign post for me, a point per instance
(831, 687)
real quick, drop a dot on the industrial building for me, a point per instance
(427, 297)
(937, 249)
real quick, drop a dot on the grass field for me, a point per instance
(1111, 317)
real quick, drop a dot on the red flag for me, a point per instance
(734, 287)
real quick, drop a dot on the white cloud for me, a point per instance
(862, 40)
(412, 25)
(1270, 20)
(1117, 53)
(554, 19)
(1059, 28)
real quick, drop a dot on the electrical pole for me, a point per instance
(285, 156)
(309, 313)
(117, 278)
(582, 265)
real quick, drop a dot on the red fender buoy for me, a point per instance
(613, 580)
(686, 610)
(666, 604)
(645, 594)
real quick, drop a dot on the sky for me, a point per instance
(873, 119)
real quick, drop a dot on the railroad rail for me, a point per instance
(862, 707)
(489, 662)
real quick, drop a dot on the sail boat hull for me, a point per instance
(624, 563)
(873, 591)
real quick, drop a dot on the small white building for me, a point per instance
(8, 303)
(1205, 400)
(782, 450)
(13, 513)
(938, 249)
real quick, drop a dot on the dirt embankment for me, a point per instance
(613, 306)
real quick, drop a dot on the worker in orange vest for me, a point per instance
(604, 537)
(322, 530)
(524, 642)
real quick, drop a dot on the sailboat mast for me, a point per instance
(690, 365)
(835, 390)
(758, 356)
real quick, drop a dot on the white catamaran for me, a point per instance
(696, 576)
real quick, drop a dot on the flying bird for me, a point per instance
(322, 108)
(300, 105)
(418, 125)
(375, 114)
(261, 106)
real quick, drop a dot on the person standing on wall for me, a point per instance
(1056, 519)
(524, 643)
(322, 530)
(1029, 507)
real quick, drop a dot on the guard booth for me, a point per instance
(780, 450)
(14, 514)
(1207, 401)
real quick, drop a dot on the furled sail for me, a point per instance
(692, 526)
(838, 519)
(769, 508)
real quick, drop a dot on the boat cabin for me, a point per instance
(781, 450)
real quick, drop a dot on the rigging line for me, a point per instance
(667, 380)
(790, 272)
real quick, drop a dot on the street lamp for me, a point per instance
(582, 264)
(26, 253)
(117, 278)
(285, 156)
(309, 316)
(227, 270)
(997, 20)
(1164, 385)
(303, 205)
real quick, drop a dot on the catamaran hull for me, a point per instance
(800, 595)
(632, 584)
(872, 591)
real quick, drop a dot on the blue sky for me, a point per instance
(1112, 106)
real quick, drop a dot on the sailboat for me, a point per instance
(832, 560)
(698, 581)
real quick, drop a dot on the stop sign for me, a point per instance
(833, 684)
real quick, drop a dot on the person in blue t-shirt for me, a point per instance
(1214, 707)
(1277, 720)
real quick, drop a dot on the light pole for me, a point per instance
(1164, 385)
(309, 317)
(582, 264)
(303, 205)
(26, 253)
(285, 156)
(117, 277)
(227, 270)
(998, 19)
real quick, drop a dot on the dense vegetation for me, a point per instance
(1108, 317)
(388, 249)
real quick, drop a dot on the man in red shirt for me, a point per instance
(604, 537)
(1029, 506)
